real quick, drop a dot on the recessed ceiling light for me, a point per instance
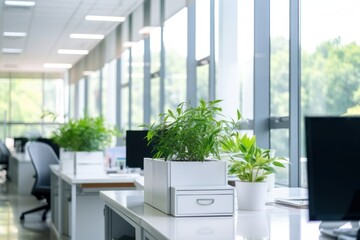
(12, 50)
(104, 18)
(19, 3)
(57, 65)
(73, 51)
(86, 36)
(14, 34)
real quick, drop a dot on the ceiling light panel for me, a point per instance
(104, 18)
(73, 51)
(14, 34)
(86, 36)
(19, 3)
(12, 50)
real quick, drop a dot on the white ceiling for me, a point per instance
(48, 25)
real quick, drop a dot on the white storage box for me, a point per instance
(160, 176)
(202, 201)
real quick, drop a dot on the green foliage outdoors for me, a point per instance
(87, 134)
(188, 133)
(249, 162)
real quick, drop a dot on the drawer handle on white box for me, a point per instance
(205, 202)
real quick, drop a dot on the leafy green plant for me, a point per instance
(249, 162)
(188, 133)
(86, 134)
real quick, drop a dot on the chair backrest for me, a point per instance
(42, 155)
(4, 153)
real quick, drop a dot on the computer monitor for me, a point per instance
(137, 148)
(333, 165)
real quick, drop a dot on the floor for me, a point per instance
(11, 207)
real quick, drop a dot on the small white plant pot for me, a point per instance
(251, 196)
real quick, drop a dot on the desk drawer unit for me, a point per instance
(208, 201)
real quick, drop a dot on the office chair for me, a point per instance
(4, 156)
(41, 155)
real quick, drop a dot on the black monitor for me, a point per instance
(137, 148)
(333, 165)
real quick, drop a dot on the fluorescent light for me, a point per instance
(146, 30)
(20, 3)
(73, 51)
(12, 50)
(86, 36)
(14, 34)
(57, 65)
(104, 18)
(128, 44)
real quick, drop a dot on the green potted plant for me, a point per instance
(184, 140)
(83, 141)
(251, 165)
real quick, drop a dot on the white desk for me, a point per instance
(126, 214)
(21, 173)
(78, 209)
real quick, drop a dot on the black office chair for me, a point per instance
(4, 156)
(41, 155)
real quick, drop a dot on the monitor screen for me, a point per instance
(137, 148)
(333, 164)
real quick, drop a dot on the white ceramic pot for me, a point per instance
(251, 196)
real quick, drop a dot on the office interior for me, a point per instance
(276, 61)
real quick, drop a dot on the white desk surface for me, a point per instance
(276, 222)
(100, 177)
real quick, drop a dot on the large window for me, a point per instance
(202, 48)
(175, 39)
(155, 51)
(94, 101)
(137, 85)
(109, 92)
(330, 66)
(124, 101)
(279, 79)
(4, 105)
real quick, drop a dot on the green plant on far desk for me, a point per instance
(87, 134)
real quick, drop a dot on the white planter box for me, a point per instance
(81, 162)
(160, 176)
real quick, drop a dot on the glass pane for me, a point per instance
(72, 101)
(109, 92)
(54, 97)
(155, 49)
(279, 80)
(81, 97)
(246, 56)
(124, 101)
(279, 25)
(4, 98)
(137, 85)
(202, 74)
(279, 139)
(329, 59)
(93, 108)
(29, 92)
(25, 130)
(155, 99)
(202, 29)
(175, 41)
(104, 87)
